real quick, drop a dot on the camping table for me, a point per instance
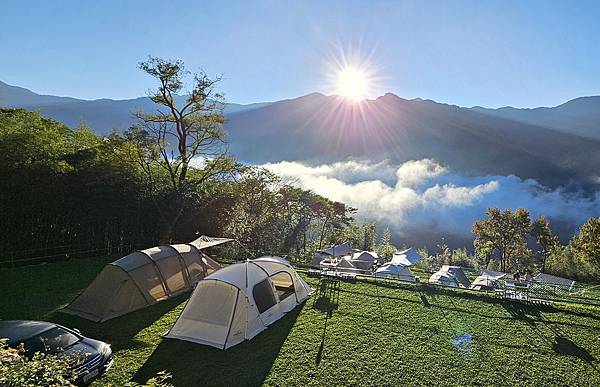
(516, 290)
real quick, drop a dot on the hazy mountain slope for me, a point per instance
(325, 128)
(103, 115)
(19, 96)
(322, 128)
(580, 116)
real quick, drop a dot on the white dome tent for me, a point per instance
(487, 280)
(452, 276)
(239, 301)
(395, 271)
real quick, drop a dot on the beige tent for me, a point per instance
(142, 278)
(239, 301)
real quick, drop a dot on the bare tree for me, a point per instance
(182, 140)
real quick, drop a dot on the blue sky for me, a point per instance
(489, 53)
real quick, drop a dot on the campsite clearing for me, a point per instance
(361, 333)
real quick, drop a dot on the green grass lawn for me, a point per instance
(346, 333)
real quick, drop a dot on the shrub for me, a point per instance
(40, 370)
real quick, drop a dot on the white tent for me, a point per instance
(395, 271)
(487, 280)
(334, 251)
(452, 276)
(358, 263)
(407, 257)
(364, 260)
(239, 301)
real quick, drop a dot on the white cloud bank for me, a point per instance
(424, 196)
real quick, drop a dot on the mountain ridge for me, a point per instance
(324, 128)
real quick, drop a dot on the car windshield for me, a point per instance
(52, 341)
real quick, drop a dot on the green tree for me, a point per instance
(182, 130)
(66, 188)
(545, 238)
(586, 244)
(504, 232)
(386, 249)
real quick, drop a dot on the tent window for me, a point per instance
(263, 296)
(283, 284)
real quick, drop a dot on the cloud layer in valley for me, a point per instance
(422, 199)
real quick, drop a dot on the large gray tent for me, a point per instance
(331, 252)
(143, 278)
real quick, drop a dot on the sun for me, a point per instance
(353, 83)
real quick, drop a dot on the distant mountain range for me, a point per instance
(558, 146)
(103, 115)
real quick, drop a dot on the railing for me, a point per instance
(15, 258)
(535, 291)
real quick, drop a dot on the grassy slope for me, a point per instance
(344, 334)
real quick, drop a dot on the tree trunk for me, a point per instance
(169, 220)
(544, 258)
(322, 233)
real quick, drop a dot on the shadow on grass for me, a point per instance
(523, 312)
(248, 363)
(120, 331)
(428, 293)
(564, 345)
(327, 301)
(557, 339)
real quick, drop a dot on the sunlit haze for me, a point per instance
(352, 83)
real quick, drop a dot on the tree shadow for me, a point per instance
(425, 301)
(120, 331)
(558, 340)
(193, 364)
(565, 346)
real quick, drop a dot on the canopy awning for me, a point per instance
(337, 251)
(204, 242)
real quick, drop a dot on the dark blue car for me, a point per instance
(89, 358)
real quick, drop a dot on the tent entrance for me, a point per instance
(284, 285)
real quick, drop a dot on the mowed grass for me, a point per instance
(361, 333)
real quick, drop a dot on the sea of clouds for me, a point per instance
(422, 201)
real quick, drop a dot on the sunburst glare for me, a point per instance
(352, 74)
(352, 83)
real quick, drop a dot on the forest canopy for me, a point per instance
(68, 193)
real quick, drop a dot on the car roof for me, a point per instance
(19, 330)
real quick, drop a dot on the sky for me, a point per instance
(487, 53)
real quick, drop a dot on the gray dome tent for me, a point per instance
(143, 278)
